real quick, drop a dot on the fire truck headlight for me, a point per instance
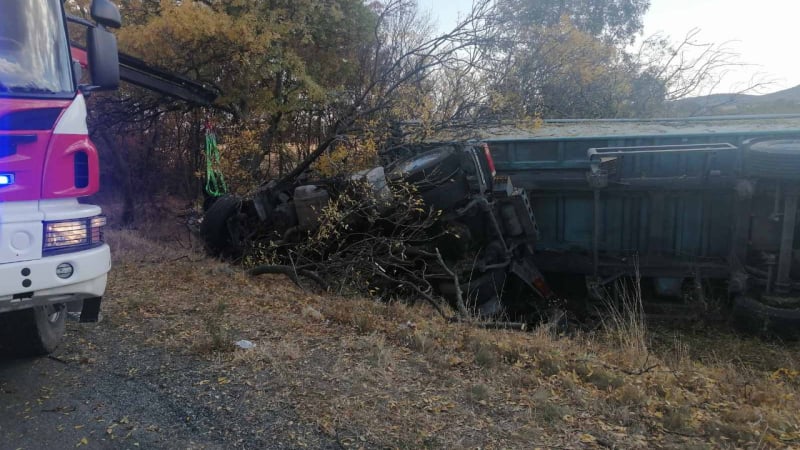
(6, 179)
(73, 235)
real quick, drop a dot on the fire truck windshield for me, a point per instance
(34, 52)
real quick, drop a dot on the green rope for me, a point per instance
(215, 182)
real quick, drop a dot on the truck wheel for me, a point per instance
(437, 176)
(34, 331)
(485, 292)
(773, 158)
(219, 229)
(428, 168)
(448, 195)
(752, 316)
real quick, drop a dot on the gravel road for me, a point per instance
(104, 389)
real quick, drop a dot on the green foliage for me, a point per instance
(283, 69)
(570, 60)
(611, 20)
(265, 57)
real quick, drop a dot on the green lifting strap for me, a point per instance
(215, 182)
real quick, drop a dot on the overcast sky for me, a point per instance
(765, 32)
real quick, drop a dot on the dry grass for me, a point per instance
(624, 321)
(377, 375)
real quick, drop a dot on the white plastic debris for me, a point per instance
(245, 344)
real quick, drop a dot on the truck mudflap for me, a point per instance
(526, 271)
(90, 312)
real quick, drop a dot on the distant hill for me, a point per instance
(781, 102)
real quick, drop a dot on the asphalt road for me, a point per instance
(104, 389)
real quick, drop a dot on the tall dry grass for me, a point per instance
(623, 319)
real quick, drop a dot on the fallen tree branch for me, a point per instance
(429, 298)
(462, 307)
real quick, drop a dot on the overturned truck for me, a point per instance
(674, 201)
(475, 249)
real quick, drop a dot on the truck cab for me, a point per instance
(52, 253)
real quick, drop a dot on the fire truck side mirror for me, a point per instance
(103, 59)
(106, 13)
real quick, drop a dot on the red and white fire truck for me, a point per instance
(52, 255)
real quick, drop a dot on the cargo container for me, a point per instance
(670, 199)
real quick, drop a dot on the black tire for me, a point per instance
(437, 175)
(208, 202)
(491, 308)
(447, 195)
(773, 159)
(480, 293)
(484, 292)
(428, 169)
(754, 317)
(455, 241)
(34, 331)
(220, 226)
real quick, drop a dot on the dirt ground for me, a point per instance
(327, 371)
(107, 388)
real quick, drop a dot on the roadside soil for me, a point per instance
(115, 385)
(327, 371)
(104, 389)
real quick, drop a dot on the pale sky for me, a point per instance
(764, 32)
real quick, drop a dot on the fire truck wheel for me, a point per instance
(752, 316)
(33, 332)
(217, 225)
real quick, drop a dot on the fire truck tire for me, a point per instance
(754, 317)
(773, 158)
(216, 227)
(34, 331)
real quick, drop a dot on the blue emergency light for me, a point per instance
(6, 179)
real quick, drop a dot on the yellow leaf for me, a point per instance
(587, 438)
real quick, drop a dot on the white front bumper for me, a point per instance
(44, 286)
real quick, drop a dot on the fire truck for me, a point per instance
(53, 258)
